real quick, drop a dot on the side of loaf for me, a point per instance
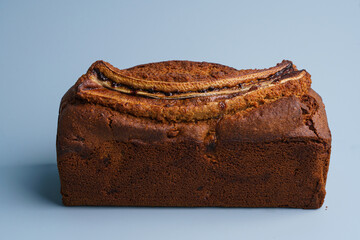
(190, 134)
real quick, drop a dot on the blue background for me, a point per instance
(45, 46)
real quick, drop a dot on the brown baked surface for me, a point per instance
(181, 133)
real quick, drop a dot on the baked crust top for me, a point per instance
(180, 71)
(183, 91)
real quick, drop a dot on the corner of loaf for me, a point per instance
(193, 134)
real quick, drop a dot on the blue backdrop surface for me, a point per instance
(46, 45)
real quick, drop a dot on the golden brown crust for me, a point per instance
(266, 144)
(209, 90)
(177, 71)
(275, 155)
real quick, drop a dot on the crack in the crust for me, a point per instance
(309, 108)
(109, 118)
(110, 122)
(312, 128)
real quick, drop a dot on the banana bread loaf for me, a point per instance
(191, 134)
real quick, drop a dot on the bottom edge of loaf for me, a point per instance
(90, 203)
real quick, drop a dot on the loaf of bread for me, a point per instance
(193, 134)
